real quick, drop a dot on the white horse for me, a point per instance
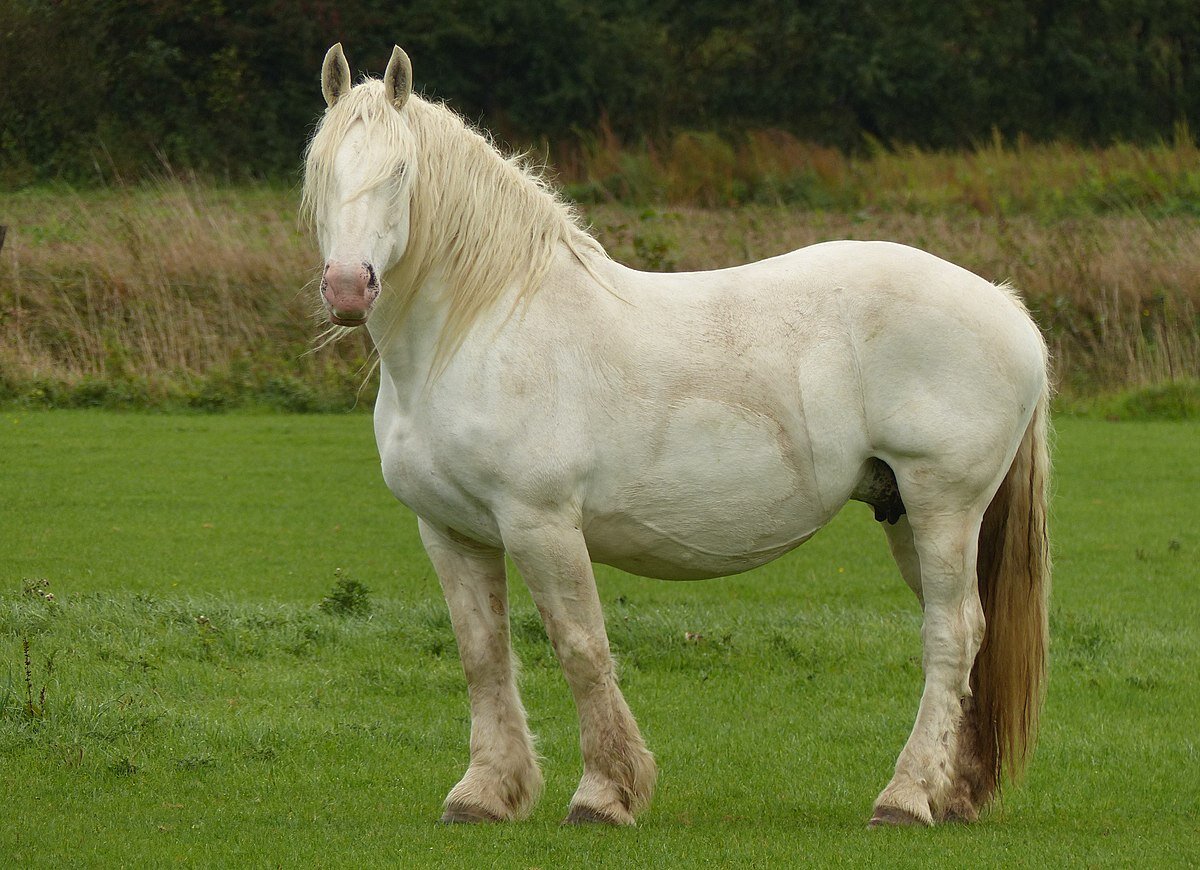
(540, 400)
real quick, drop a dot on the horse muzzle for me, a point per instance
(349, 291)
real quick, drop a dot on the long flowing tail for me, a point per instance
(1008, 678)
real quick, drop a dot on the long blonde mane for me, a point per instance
(484, 222)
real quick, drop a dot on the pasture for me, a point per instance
(212, 685)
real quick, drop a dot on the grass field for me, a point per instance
(209, 699)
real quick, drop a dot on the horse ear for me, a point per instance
(335, 75)
(397, 80)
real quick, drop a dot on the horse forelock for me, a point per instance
(385, 129)
(486, 222)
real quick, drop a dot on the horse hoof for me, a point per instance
(460, 814)
(583, 815)
(894, 817)
(960, 815)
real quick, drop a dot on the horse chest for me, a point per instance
(420, 478)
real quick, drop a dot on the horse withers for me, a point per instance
(540, 400)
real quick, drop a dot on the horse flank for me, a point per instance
(485, 222)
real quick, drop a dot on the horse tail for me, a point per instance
(1013, 567)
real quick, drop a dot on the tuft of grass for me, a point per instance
(348, 597)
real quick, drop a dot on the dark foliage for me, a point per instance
(119, 88)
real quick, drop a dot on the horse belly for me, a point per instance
(641, 548)
(715, 490)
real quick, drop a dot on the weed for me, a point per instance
(123, 766)
(33, 709)
(206, 635)
(38, 589)
(348, 597)
(652, 245)
(195, 762)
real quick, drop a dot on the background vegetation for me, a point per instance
(181, 294)
(150, 150)
(106, 90)
(207, 685)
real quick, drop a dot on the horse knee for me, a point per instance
(584, 657)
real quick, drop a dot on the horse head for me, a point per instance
(356, 184)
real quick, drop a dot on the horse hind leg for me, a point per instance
(502, 781)
(927, 786)
(904, 552)
(970, 782)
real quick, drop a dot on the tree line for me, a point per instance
(96, 89)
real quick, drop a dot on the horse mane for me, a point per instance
(484, 222)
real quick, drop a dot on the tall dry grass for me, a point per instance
(167, 287)
(185, 292)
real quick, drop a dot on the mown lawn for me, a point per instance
(201, 707)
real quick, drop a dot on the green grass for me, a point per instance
(220, 691)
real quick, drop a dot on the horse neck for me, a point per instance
(418, 325)
(406, 333)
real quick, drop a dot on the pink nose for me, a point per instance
(350, 289)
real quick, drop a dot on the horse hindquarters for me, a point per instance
(984, 578)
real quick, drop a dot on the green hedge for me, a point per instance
(119, 88)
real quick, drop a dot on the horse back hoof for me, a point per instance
(584, 815)
(963, 814)
(461, 814)
(894, 817)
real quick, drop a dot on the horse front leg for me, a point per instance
(618, 771)
(921, 791)
(503, 780)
